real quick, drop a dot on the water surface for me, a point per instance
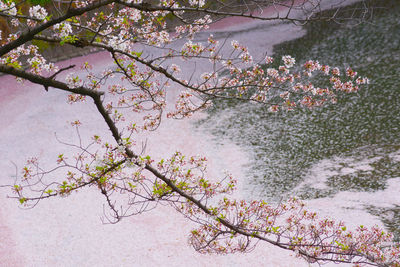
(353, 146)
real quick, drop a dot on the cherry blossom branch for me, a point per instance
(224, 226)
(114, 130)
(48, 82)
(29, 35)
(289, 4)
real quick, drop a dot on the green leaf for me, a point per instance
(138, 54)
(48, 191)
(69, 39)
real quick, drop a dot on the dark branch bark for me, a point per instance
(48, 82)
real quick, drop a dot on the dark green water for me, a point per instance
(363, 126)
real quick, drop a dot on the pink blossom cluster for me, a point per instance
(37, 63)
(38, 12)
(285, 87)
(8, 7)
(239, 225)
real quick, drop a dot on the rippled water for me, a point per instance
(353, 146)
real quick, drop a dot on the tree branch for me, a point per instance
(28, 36)
(48, 82)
